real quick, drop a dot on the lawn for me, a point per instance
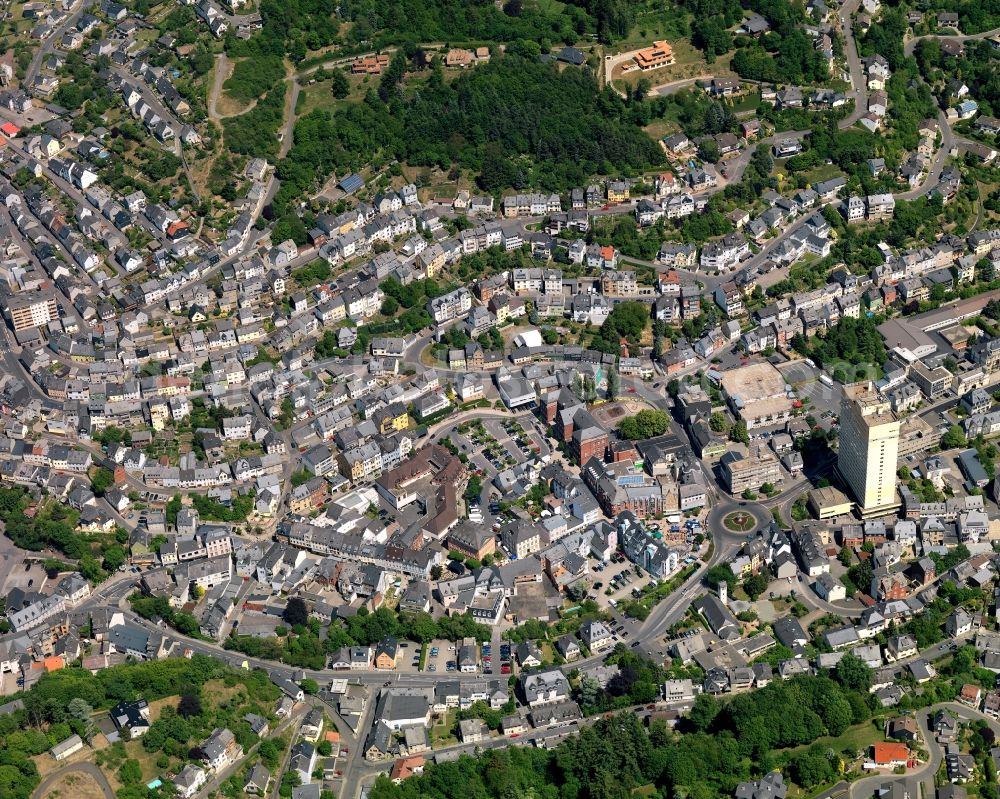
(750, 101)
(652, 23)
(688, 63)
(442, 730)
(661, 128)
(853, 739)
(819, 174)
(318, 94)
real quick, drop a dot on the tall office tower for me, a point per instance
(869, 443)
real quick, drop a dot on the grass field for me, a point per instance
(817, 175)
(318, 94)
(854, 739)
(661, 128)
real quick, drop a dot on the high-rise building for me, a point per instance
(869, 443)
(32, 309)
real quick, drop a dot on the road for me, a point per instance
(859, 85)
(911, 44)
(865, 787)
(49, 43)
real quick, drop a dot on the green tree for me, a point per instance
(130, 772)
(953, 438)
(102, 480)
(739, 433)
(704, 712)
(645, 424)
(755, 585)
(852, 672)
(339, 85)
(614, 385)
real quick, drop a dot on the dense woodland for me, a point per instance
(296, 27)
(515, 122)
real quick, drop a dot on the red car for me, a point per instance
(515, 735)
(505, 669)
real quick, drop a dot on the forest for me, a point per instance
(515, 122)
(297, 27)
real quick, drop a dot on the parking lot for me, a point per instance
(442, 653)
(805, 380)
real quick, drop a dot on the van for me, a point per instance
(612, 602)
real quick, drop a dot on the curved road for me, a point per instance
(911, 44)
(87, 768)
(865, 788)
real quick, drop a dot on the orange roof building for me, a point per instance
(890, 754)
(406, 767)
(458, 58)
(661, 54)
(10, 129)
(369, 65)
(971, 694)
(52, 663)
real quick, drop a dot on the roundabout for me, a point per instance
(739, 522)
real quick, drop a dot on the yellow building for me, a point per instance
(829, 503)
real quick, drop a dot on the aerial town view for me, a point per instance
(499, 399)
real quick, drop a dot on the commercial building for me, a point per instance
(869, 442)
(757, 394)
(751, 471)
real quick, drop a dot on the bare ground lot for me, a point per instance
(75, 785)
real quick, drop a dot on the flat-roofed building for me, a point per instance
(869, 442)
(751, 470)
(32, 309)
(757, 394)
